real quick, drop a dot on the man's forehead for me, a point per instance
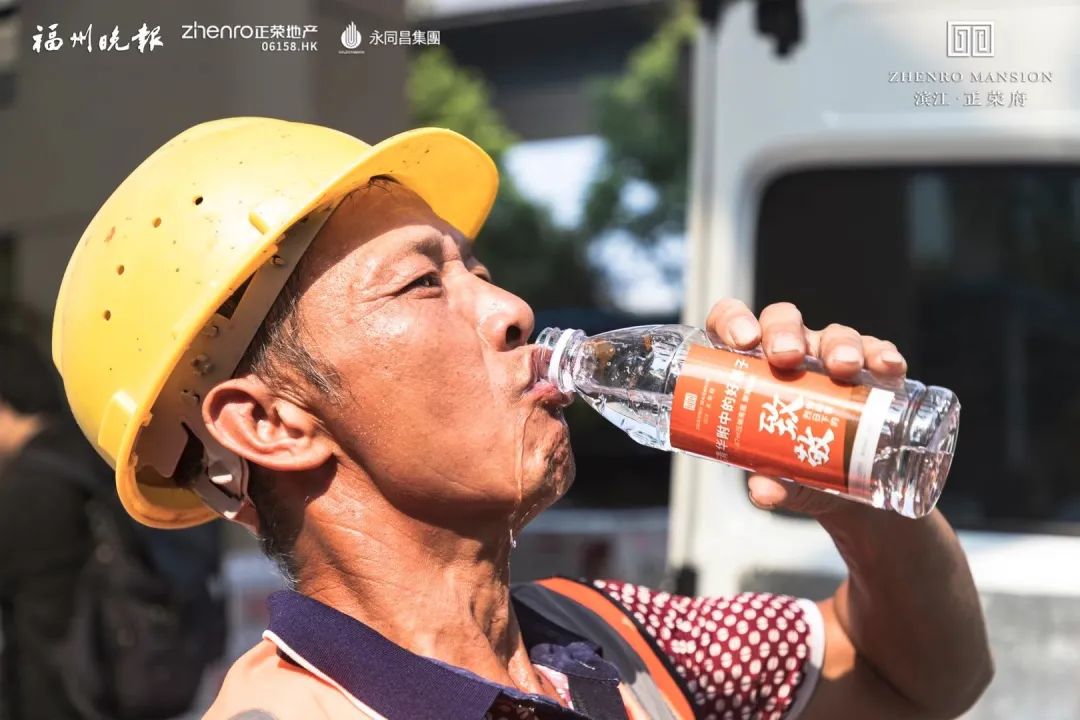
(396, 218)
(385, 204)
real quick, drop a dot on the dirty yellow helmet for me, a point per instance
(176, 272)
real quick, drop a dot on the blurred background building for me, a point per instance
(131, 102)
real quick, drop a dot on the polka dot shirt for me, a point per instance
(751, 656)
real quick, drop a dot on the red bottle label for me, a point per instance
(793, 424)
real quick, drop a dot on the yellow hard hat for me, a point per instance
(176, 272)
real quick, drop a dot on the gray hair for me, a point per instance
(279, 357)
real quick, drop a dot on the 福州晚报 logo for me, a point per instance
(50, 39)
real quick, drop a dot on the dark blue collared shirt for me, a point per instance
(397, 683)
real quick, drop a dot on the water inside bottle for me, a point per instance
(627, 379)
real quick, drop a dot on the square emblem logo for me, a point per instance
(970, 38)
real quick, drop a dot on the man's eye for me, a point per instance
(430, 280)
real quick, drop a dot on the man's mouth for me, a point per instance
(544, 392)
(540, 389)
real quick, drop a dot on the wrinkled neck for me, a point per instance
(434, 591)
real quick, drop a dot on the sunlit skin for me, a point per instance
(443, 447)
(446, 444)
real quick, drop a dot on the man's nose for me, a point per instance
(503, 319)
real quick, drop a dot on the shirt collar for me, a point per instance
(397, 683)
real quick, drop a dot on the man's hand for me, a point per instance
(786, 342)
(905, 636)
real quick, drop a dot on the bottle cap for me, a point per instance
(556, 356)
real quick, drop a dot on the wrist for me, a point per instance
(860, 530)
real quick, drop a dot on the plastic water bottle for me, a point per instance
(667, 386)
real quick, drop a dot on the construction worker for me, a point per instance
(280, 324)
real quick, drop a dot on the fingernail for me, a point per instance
(743, 330)
(892, 357)
(847, 354)
(784, 343)
(758, 504)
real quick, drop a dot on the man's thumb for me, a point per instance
(767, 493)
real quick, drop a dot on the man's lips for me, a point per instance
(539, 389)
(545, 392)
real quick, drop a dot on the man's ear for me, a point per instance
(248, 418)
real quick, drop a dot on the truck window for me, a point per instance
(975, 273)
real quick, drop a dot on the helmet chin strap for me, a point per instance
(223, 485)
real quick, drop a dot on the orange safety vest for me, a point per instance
(279, 679)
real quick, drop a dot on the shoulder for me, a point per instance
(261, 685)
(744, 612)
(764, 649)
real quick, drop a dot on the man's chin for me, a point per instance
(546, 470)
(543, 487)
(558, 462)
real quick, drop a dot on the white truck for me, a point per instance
(912, 169)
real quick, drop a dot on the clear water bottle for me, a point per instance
(885, 444)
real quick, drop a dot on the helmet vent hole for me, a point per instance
(157, 222)
(107, 314)
(198, 200)
(119, 269)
